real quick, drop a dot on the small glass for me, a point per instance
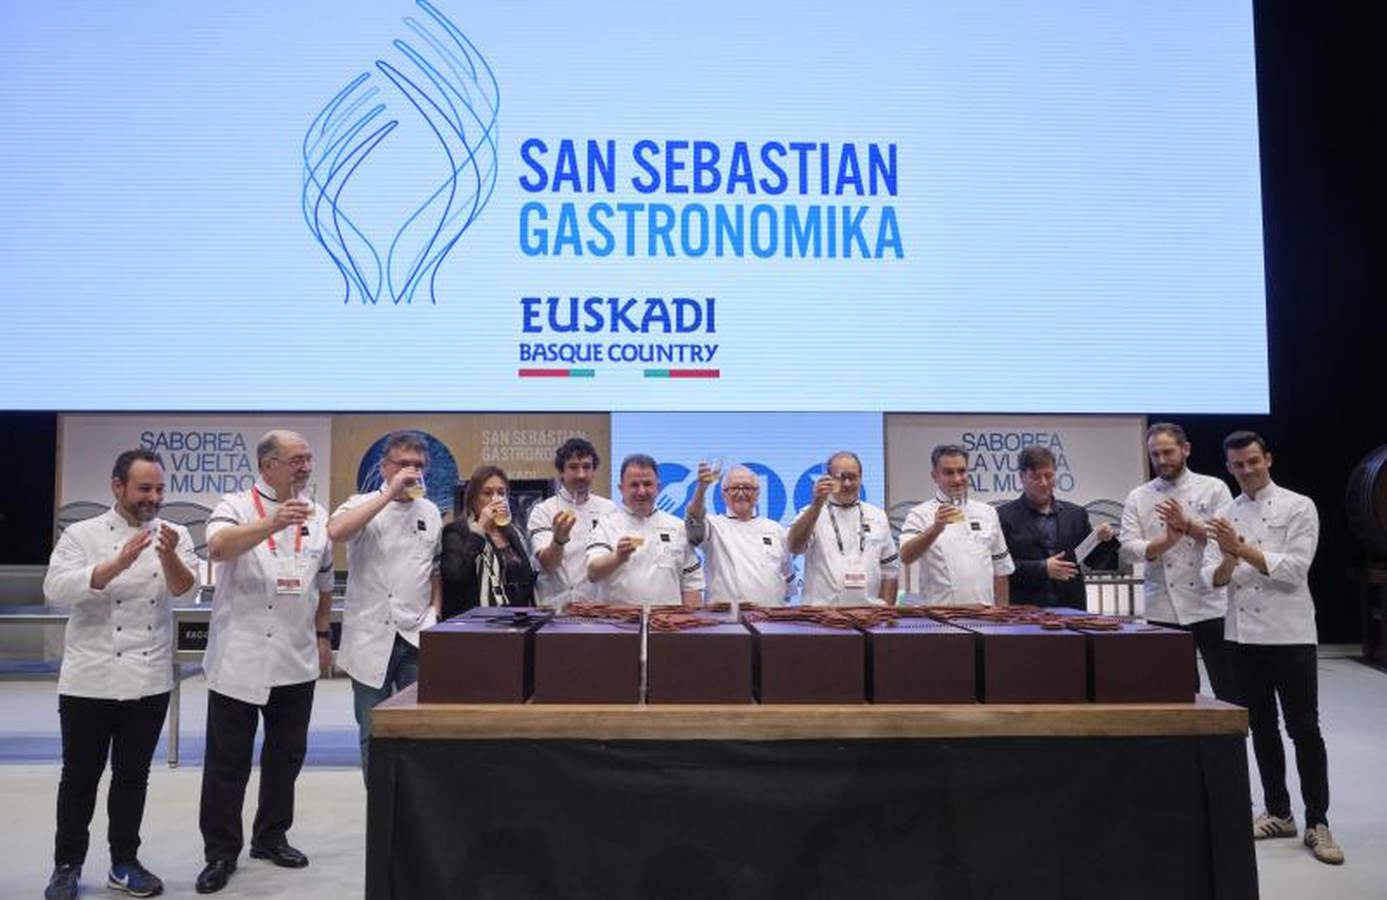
(715, 465)
(418, 489)
(502, 518)
(310, 496)
(955, 503)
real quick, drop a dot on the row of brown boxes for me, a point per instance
(510, 655)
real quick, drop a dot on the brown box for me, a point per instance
(797, 662)
(586, 661)
(699, 665)
(472, 660)
(1030, 664)
(1141, 664)
(922, 661)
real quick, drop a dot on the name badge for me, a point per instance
(855, 576)
(288, 576)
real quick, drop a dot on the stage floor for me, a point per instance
(332, 800)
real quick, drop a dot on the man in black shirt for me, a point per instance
(1042, 533)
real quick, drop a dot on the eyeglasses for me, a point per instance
(741, 488)
(845, 476)
(296, 462)
(406, 463)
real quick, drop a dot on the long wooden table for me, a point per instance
(809, 801)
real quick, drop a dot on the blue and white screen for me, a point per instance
(785, 451)
(1023, 205)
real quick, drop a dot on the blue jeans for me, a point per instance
(400, 673)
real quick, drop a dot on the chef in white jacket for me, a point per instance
(119, 575)
(1262, 545)
(267, 643)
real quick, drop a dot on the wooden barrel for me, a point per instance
(1365, 501)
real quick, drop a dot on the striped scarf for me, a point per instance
(490, 574)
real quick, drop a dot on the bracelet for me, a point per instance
(326, 635)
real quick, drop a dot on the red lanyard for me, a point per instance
(260, 511)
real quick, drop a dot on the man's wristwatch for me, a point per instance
(326, 635)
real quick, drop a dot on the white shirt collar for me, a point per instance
(1178, 481)
(117, 519)
(265, 491)
(1265, 493)
(566, 494)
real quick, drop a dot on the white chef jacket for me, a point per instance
(390, 562)
(747, 560)
(570, 580)
(659, 571)
(862, 537)
(1275, 608)
(260, 639)
(118, 643)
(1174, 591)
(959, 567)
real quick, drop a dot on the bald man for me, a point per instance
(267, 643)
(746, 556)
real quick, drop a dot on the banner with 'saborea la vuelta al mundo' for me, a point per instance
(1098, 459)
(204, 458)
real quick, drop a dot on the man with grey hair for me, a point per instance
(393, 585)
(1165, 526)
(746, 555)
(268, 641)
(640, 554)
(849, 554)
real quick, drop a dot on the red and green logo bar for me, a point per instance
(683, 373)
(592, 373)
(557, 373)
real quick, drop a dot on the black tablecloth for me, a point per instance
(1160, 817)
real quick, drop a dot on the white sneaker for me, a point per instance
(1323, 845)
(1268, 826)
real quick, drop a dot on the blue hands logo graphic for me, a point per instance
(678, 483)
(363, 186)
(677, 486)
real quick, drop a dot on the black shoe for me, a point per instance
(63, 884)
(280, 855)
(214, 876)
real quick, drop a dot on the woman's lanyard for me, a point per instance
(861, 531)
(260, 513)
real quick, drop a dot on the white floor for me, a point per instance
(330, 821)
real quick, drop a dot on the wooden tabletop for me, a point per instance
(402, 716)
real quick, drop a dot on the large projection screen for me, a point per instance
(1004, 206)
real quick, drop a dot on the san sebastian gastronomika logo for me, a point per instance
(386, 221)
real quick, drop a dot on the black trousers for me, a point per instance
(126, 729)
(1263, 673)
(1209, 642)
(231, 726)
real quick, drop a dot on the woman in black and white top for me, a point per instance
(485, 562)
